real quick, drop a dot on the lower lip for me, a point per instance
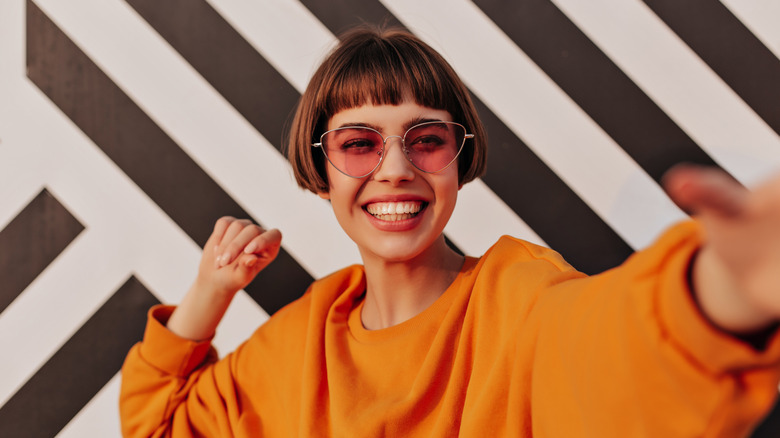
(402, 225)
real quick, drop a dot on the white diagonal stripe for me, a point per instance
(671, 74)
(481, 217)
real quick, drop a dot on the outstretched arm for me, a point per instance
(736, 275)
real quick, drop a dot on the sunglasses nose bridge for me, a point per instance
(386, 139)
(385, 146)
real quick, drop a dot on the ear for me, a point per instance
(324, 195)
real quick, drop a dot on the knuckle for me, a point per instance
(251, 231)
(224, 221)
(242, 223)
(235, 226)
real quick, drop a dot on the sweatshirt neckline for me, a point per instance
(433, 314)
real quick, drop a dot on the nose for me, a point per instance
(395, 167)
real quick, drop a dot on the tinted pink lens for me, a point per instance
(353, 151)
(433, 146)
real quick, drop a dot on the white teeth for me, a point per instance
(394, 211)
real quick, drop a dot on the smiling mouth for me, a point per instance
(395, 211)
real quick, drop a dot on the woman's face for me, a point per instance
(396, 186)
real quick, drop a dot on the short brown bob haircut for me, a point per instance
(380, 66)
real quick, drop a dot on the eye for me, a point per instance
(424, 143)
(358, 146)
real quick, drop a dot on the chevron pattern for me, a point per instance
(128, 126)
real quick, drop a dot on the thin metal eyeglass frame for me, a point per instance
(384, 145)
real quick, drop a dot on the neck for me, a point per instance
(398, 291)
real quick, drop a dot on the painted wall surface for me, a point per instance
(128, 127)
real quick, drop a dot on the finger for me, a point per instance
(248, 261)
(220, 226)
(703, 190)
(233, 229)
(266, 245)
(249, 265)
(236, 246)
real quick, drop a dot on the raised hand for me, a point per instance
(234, 254)
(736, 274)
(236, 251)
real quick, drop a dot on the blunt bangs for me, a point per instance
(379, 67)
(387, 71)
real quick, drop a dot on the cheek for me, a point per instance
(343, 192)
(448, 204)
(446, 190)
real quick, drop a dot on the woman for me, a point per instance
(421, 341)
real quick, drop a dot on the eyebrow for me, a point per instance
(406, 126)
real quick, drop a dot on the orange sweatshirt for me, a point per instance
(519, 345)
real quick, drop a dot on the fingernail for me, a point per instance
(249, 249)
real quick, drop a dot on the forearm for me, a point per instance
(197, 316)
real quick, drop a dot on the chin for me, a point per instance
(399, 249)
(399, 254)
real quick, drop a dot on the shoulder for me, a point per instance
(314, 305)
(512, 258)
(511, 276)
(518, 250)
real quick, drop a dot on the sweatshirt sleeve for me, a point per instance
(164, 380)
(629, 350)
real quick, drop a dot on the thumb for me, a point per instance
(264, 247)
(700, 190)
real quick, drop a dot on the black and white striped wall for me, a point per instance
(127, 127)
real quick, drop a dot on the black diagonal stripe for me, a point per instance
(31, 241)
(770, 427)
(730, 49)
(142, 150)
(516, 174)
(226, 60)
(547, 204)
(596, 84)
(78, 370)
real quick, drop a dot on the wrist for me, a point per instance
(211, 290)
(721, 299)
(199, 312)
